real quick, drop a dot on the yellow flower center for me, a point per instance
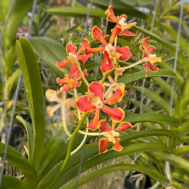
(72, 82)
(95, 100)
(73, 58)
(111, 136)
(122, 23)
(111, 50)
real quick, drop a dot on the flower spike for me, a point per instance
(93, 100)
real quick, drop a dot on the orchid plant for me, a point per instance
(97, 96)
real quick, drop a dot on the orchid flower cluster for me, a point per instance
(96, 99)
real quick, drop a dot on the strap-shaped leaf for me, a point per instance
(19, 161)
(152, 117)
(11, 182)
(33, 87)
(154, 174)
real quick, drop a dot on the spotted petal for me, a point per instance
(123, 127)
(98, 35)
(84, 105)
(71, 48)
(111, 16)
(103, 145)
(98, 89)
(116, 114)
(107, 64)
(63, 64)
(95, 122)
(104, 127)
(126, 54)
(117, 145)
(116, 97)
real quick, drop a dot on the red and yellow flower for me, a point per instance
(111, 134)
(121, 26)
(94, 100)
(148, 57)
(73, 57)
(70, 80)
(110, 51)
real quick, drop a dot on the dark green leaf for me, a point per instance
(11, 182)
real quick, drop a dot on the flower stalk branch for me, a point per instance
(130, 66)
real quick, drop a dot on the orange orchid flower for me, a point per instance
(70, 80)
(51, 96)
(149, 58)
(73, 57)
(93, 100)
(111, 133)
(110, 52)
(121, 26)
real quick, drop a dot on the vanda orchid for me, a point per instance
(99, 100)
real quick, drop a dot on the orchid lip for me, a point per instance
(122, 23)
(111, 50)
(72, 57)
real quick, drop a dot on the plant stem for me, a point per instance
(130, 66)
(81, 144)
(106, 75)
(64, 120)
(79, 113)
(71, 141)
(115, 44)
(81, 72)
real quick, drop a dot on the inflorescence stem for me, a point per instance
(81, 72)
(130, 66)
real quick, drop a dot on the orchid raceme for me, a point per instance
(121, 26)
(113, 85)
(74, 56)
(110, 51)
(149, 58)
(94, 100)
(51, 96)
(70, 81)
(111, 133)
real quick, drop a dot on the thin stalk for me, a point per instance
(68, 154)
(81, 72)
(106, 93)
(64, 120)
(75, 94)
(115, 44)
(130, 66)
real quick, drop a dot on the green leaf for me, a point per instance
(75, 11)
(19, 161)
(128, 78)
(120, 167)
(29, 131)
(32, 83)
(11, 182)
(153, 117)
(182, 150)
(71, 29)
(155, 97)
(50, 52)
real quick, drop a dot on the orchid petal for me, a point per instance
(84, 105)
(111, 16)
(83, 46)
(73, 69)
(144, 44)
(71, 48)
(62, 64)
(123, 127)
(114, 32)
(116, 114)
(84, 58)
(153, 68)
(93, 50)
(129, 25)
(98, 89)
(146, 66)
(117, 145)
(103, 145)
(107, 64)
(104, 127)
(151, 49)
(98, 35)
(51, 109)
(127, 33)
(117, 97)
(61, 81)
(126, 54)
(51, 96)
(95, 122)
